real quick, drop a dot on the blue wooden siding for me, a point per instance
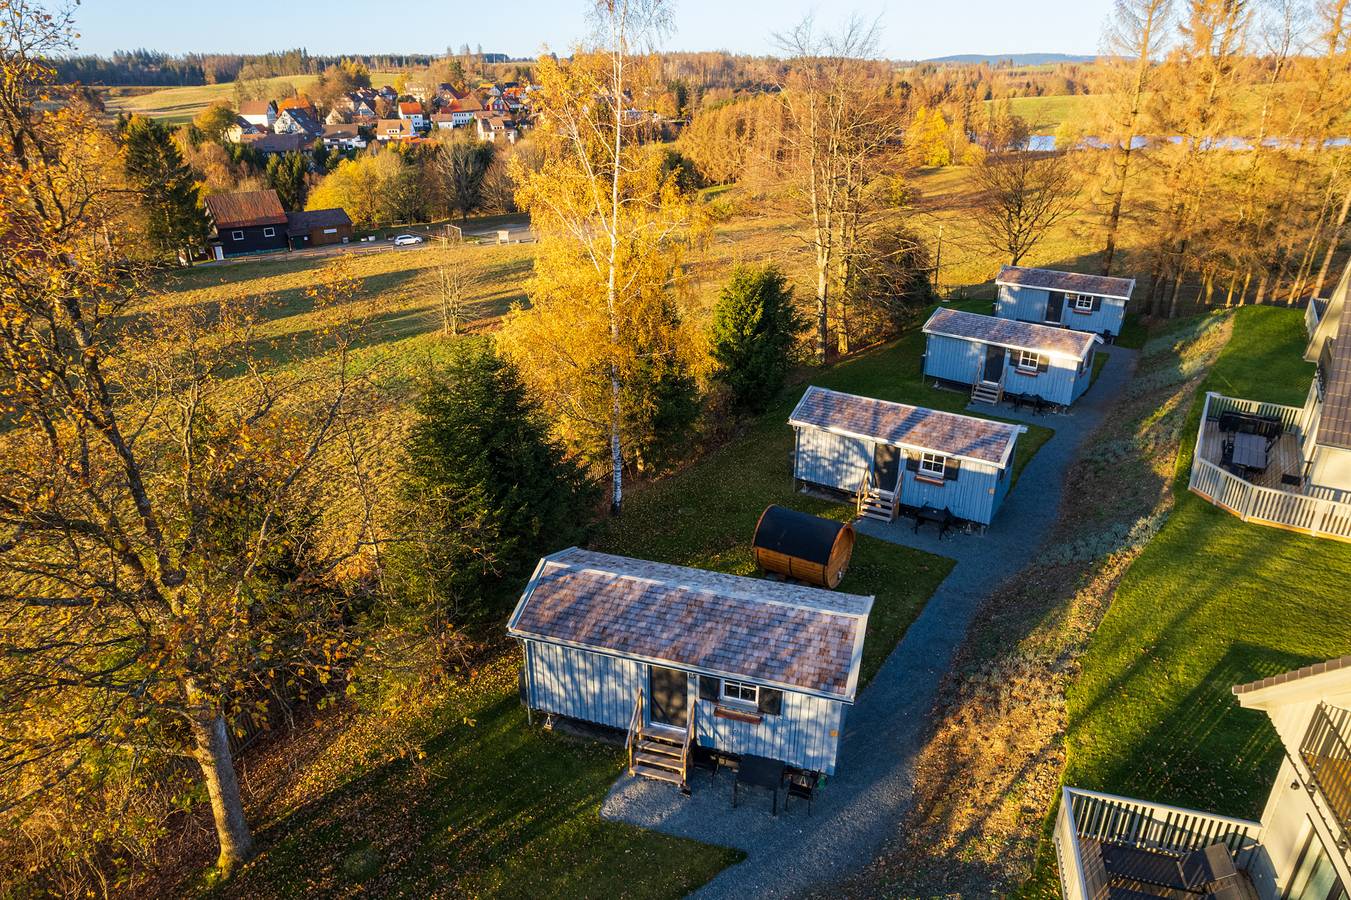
(831, 460)
(597, 688)
(971, 495)
(963, 361)
(589, 686)
(1029, 305)
(801, 736)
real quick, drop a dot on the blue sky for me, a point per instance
(911, 29)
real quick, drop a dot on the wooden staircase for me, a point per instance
(990, 392)
(659, 752)
(875, 503)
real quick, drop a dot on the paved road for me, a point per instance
(859, 808)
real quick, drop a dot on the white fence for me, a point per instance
(1312, 514)
(1138, 823)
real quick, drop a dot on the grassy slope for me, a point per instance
(1044, 114)
(177, 105)
(1211, 602)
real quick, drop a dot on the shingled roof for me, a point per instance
(1318, 668)
(1072, 282)
(1334, 427)
(902, 425)
(245, 209)
(304, 222)
(782, 635)
(1010, 333)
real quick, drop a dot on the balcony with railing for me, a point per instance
(1326, 754)
(1108, 846)
(1270, 489)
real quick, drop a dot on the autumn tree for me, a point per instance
(462, 167)
(214, 121)
(175, 223)
(1021, 197)
(601, 339)
(160, 568)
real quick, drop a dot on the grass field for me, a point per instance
(1044, 114)
(177, 105)
(1211, 602)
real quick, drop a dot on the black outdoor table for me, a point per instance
(759, 771)
(1250, 451)
(940, 517)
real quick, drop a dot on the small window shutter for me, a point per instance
(771, 702)
(1097, 303)
(1043, 363)
(951, 469)
(708, 687)
(912, 462)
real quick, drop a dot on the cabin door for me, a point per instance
(1055, 306)
(668, 691)
(886, 466)
(994, 364)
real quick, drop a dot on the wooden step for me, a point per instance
(660, 747)
(658, 737)
(658, 761)
(659, 774)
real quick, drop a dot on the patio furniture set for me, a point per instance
(1130, 873)
(1248, 440)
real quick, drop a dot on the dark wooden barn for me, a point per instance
(317, 227)
(247, 222)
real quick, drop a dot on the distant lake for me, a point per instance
(1045, 143)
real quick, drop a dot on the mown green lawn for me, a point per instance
(1211, 602)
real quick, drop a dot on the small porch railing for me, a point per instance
(1137, 823)
(1319, 516)
(1326, 752)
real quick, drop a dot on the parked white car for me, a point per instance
(404, 240)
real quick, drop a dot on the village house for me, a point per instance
(411, 112)
(276, 144)
(997, 357)
(318, 227)
(394, 130)
(299, 101)
(359, 103)
(343, 137)
(687, 662)
(241, 127)
(261, 114)
(1111, 846)
(298, 120)
(493, 128)
(1093, 303)
(1287, 466)
(245, 223)
(893, 457)
(461, 112)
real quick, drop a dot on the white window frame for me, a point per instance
(1021, 363)
(1083, 303)
(933, 465)
(236, 235)
(743, 694)
(269, 231)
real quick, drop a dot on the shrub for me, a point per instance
(752, 335)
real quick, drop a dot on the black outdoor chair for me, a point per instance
(802, 785)
(1291, 480)
(1227, 453)
(1229, 422)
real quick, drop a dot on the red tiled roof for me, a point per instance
(1009, 333)
(245, 209)
(783, 635)
(1074, 282)
(410, 109)
(902, 425)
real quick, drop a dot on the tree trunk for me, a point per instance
(822, 309)
(211, 748)
(1333, 241)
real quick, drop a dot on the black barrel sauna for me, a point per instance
(803, 547)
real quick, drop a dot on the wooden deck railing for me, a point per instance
(1312, 514)
(1138, 823)
(635, 727)
(1326, 752)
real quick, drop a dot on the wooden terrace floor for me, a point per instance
(1282, 459)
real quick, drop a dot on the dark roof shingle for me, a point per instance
(1011, 333)
(907, 426)
(769, 632)
(246, 209)
(310, 219)
(1075, 282)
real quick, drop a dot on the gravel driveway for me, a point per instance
(858, 809)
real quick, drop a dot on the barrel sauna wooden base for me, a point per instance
(803, 547)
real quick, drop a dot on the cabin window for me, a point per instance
(1028, 361)
(740, 692)
(933, 465)
(269, 232)
(236, 235)
(1083, 303)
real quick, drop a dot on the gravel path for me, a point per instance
(857, 809)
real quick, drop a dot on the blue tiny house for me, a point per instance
(684, 659)
(1093, 303)
(902, 456)
(1002, 356)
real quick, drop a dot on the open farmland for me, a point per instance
(177, 105)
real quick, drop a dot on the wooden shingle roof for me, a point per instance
(902, 425)
(245, 209)
(1011, 333)
(1073, 282)
(781, 635)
